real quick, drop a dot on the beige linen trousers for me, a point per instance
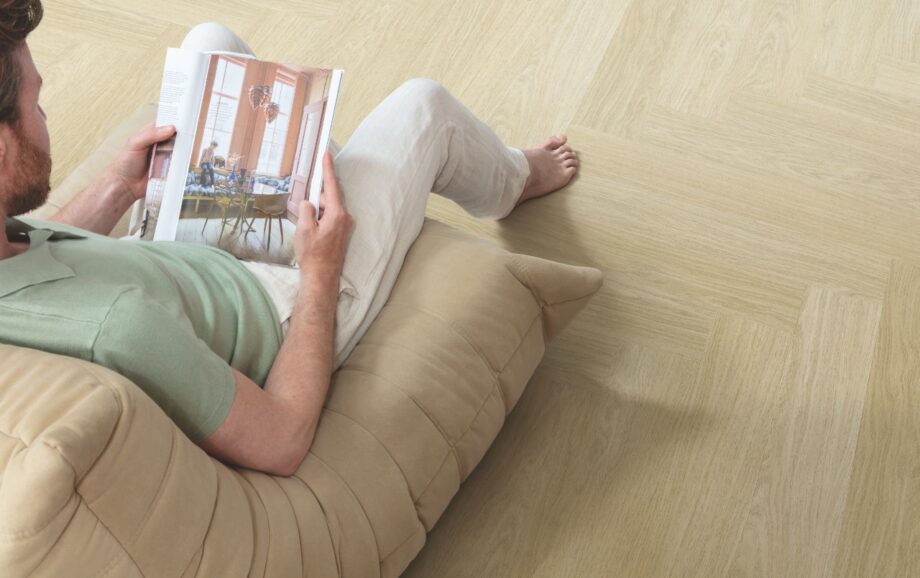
(419, 139)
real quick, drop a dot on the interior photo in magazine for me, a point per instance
(252, 158)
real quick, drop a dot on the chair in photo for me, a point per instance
(268, 207)
(225, 198)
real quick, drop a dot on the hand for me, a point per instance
(132, 164)
(320, 245)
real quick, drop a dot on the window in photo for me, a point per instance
(275, 137)
(225, 101)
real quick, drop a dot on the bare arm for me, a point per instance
(303, 368)
(272, 430)
(99, 207)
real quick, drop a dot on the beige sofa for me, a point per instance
(95, 480)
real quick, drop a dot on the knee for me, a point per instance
(210, 36)
(204, 34)
(425, 93)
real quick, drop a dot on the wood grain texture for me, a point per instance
(630, 73)
(742, 381)
(899, 77)
(852, 38)
(903, 33)
(791, 529)
(704, 49)
(740, 398)
(769, 61)
(880, 532)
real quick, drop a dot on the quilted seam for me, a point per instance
(268, 535)
(335, 553)
(453, 328)
(357, 501)
(11, 537)
(199, 553)
(123, 553)
(152, 506)
(122, 407)
(385, 450)
(421, 408)
(296, 521)
(435, 476)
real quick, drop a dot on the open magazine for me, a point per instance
(250, 138)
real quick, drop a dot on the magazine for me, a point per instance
(250, 138)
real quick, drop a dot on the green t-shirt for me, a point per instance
(172, 317)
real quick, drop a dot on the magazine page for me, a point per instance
(316, 184)
(184, 75)
(251, 158)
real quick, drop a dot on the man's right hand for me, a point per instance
(320, 245)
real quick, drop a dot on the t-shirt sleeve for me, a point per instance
(144, 342)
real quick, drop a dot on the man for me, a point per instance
(206, 164)
(198, 330)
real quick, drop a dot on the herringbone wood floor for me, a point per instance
(742, 397)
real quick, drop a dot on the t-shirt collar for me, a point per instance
(36, 265)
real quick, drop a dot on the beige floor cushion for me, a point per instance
(96, 480)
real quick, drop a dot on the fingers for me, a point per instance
(330, 183)
(307, 214)
(150, 135)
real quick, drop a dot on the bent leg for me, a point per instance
(214, 37)
(419, 139)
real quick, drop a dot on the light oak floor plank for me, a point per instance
(770, 60)
(795, 518)
(706, 47)
(903, 32)
(898, 77)
(743, 380)
(630, 74)
(880, 533)
(852, 39)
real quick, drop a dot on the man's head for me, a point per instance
(25, 149)
(213, 144)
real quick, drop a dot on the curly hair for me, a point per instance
(17, 19)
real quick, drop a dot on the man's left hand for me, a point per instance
(133, 162)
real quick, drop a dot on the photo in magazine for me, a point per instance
(253, 156)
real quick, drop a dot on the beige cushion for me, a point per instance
(97, 480)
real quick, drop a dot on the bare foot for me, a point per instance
(552, 166)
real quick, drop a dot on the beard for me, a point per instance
(31, 183)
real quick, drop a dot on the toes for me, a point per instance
(564, 149)
(568, 155)
(554, 142)
(570, 163)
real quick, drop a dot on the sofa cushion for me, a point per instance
(95, 475)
